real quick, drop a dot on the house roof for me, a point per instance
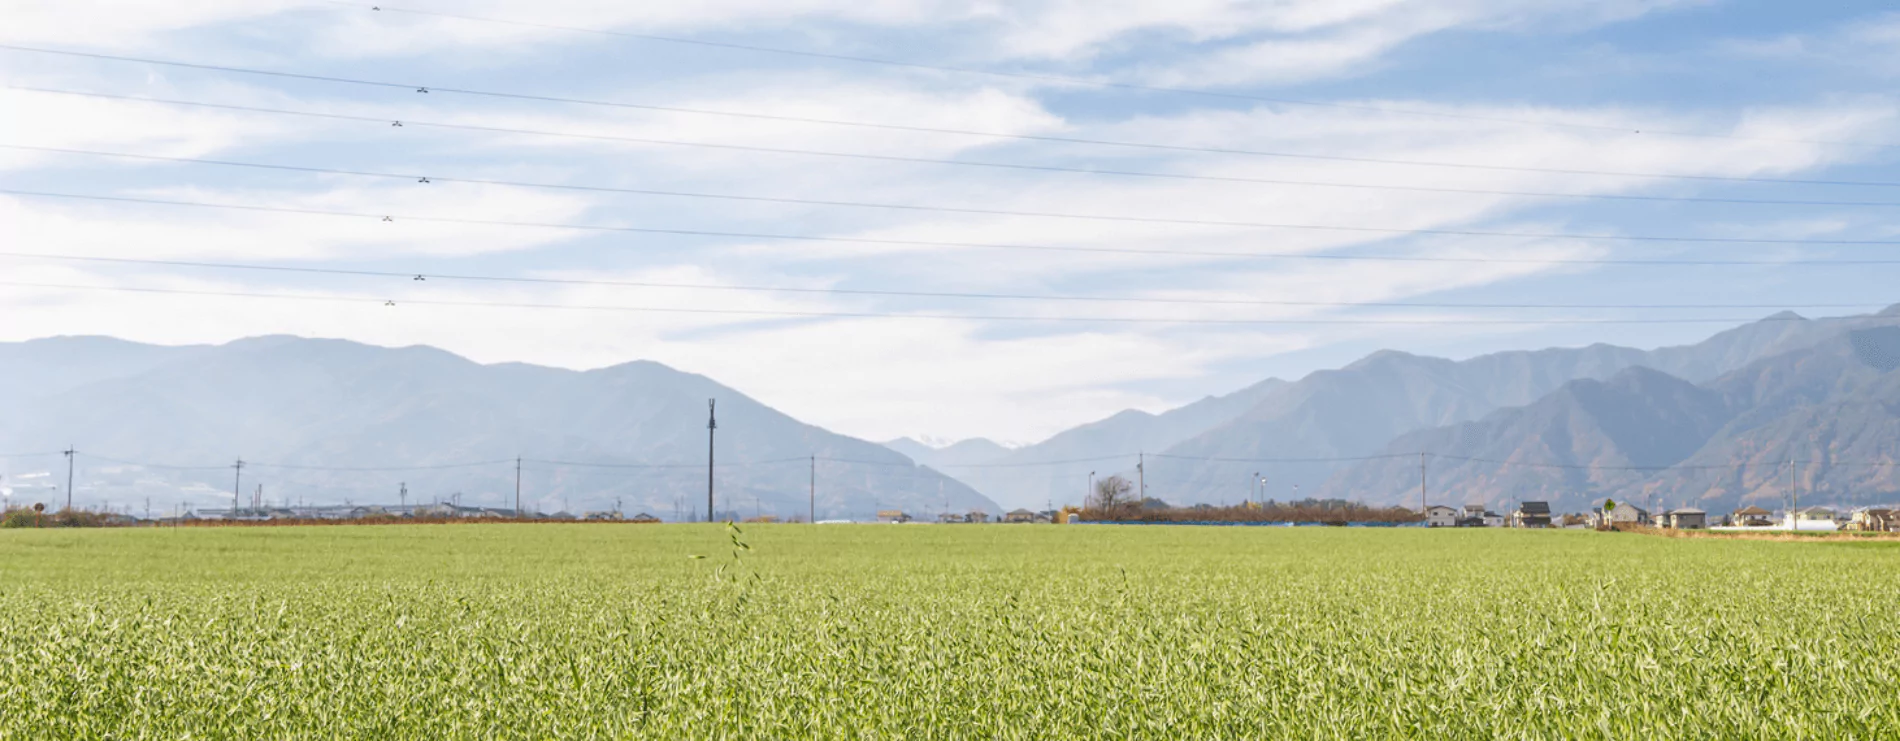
(1752, 510)
(1439, 506)
(1687, 511)
(1534, 508)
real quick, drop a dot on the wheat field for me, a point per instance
(981, 631)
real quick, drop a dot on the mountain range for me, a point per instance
(329, 421)
(1715, 423)
(1393, 405)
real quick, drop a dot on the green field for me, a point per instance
(609, 631)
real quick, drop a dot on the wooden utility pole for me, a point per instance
(1141, 474)
(712, 425)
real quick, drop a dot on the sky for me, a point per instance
(946, 220)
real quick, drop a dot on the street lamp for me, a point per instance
(1091, 491)
(1254, 492)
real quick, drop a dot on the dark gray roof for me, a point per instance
(1534, 508)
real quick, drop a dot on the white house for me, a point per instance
(1439, 515)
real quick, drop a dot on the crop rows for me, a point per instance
(523, 631)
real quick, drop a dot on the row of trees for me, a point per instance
(1115, 500)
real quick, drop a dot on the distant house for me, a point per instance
(1439, 515)
(892, 515)
(1475, 515)
(1686, 518)
(1019, 515)
(601, 516)
(1876, 520)
(950, 517)
(643, 518)
(1531, 514)
(1751, 516)
(977, 515)
(1625, 513)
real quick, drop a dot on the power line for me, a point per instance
(739, 464)
(287, 466)
(390, 217)
(764, 313)
(1038, 77)
(426, 89)
(387, 122)
(412, 275)
(428, 178)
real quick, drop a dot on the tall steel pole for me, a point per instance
(712, 424)
(237, 479)
(1421, 484)
(69, 478)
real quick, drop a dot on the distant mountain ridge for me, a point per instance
(333, 404)
(1219, 443)
(1832, 409)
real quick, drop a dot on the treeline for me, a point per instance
(1334, 511)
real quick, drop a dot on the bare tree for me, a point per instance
(1112, 493)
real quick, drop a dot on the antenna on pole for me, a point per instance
(712, 425)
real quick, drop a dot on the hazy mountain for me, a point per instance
(1304, 427)
(974, 451)
(1588, 435)
(300, 408)
(1020, 480)
(1831, 407)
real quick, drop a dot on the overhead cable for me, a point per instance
(424, 177)
(766, 313)
(1086, 82)
(436, 89)
(391, 217)
(423, 275)
(413, 123)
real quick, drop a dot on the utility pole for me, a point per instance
(812, 501)
(1141, 473)
(1091, 490)
(69, 477)
(1794, 508)
(237, 478)
(517, 486)
(712, 425)
(402, 496)
(1253, 488)
(1421, 484)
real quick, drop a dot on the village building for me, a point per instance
(1531, 514)
(1875, 520)
(1686, 518)
(892, 516)
(1625, 513)
(1751, 516)
(1439, 515)
(1019, 515)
